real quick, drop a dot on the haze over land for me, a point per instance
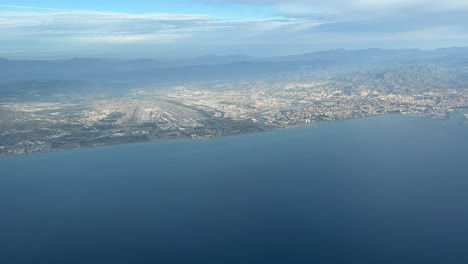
(62, 104)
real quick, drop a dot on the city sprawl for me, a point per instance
(208, 111)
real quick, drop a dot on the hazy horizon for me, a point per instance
(252, 56)
(192, 28)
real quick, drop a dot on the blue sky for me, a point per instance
(235, 11)
(179, 28)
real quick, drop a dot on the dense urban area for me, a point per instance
(37, 116)
(204, 113)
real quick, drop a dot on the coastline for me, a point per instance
(186, 139)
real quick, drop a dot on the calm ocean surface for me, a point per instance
(388, 189)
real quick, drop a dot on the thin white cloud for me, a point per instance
(34, 8)
(346, 4)
(94, 27)
(298, 26)
(130, 38)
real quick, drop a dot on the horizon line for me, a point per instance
(233, 54)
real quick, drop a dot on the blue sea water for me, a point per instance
(389, 189)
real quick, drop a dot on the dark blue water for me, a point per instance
(379, 190)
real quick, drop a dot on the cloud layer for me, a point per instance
(295, 26)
